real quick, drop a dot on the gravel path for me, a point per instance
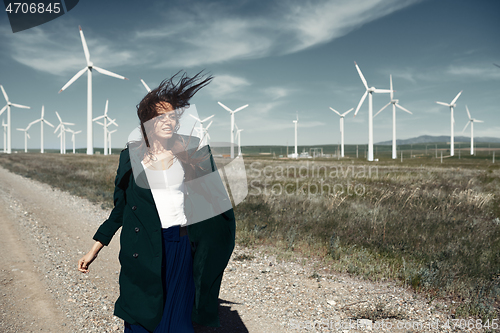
(46, 231)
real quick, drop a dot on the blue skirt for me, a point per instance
(178, 286)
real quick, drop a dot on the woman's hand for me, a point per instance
(83, 264)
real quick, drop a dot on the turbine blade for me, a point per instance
(43, 111)
(59, 117)
(240, 108)
(78, 132)
(402, 108)
(34, 122)
(85, 48)
(207, 118)
(445, 104)
(21, 106)
(73, 79)
(98, 122)
(225, 107)
(345, 113)
(45, 121)
(97, 118)
(57, 128)
(360, 102)
(382, 109)
(195, 118)
(69, 124)
(392, 91)
(478, 121)
(382, 91)
(468, 113)
(466, 126)
(3, 109)
(336, 111)
(106, 72)
(112, 121)
(4, 94)
(456, 97)
(210, 123)
(361, 76)
(145, 85)
(28, 135)
(106, 108)
(497, 65)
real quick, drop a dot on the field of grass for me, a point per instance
(433, 226)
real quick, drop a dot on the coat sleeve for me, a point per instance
(109, 227)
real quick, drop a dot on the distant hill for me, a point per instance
(440, 138)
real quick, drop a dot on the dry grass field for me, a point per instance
(432, 226)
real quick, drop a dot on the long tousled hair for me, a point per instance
(177, 91)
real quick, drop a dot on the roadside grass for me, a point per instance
(434, 227)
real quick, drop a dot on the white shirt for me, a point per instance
(167, 187)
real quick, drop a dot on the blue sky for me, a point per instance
(280, 57)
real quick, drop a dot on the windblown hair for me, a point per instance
(178, 95)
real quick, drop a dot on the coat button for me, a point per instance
(136, 229)
(134, 207)
(135, 255)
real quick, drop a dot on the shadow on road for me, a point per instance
(230, 321)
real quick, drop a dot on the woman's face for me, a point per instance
(162, 126)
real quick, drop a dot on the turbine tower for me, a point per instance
(395, 104)
(88, 69)
(232, 123)
(26, 137)
(369, 91)
(471, 121)
(203, 131)
(7, 106)
(146, 86)
(105, 125)
(4, 125)
(62, 131)
(296, 121)
(42, 120)
(238, 131)
(342, 128)
(73, 133)
(451, 106)
(109, 139)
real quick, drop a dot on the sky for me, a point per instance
(283, 58)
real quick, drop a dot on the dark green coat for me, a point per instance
(141, 294)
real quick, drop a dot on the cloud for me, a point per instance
(59, 51)
(480, 72)
(277, 92)
(223, 85)
(200, 34)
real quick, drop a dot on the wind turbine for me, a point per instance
(4, 125)
(26, 137)
(451, 106)
(238, 131)
(42, 120)
(109, 139)
(73, 133)
(369, 91)
(232, 123)
(296, 121)
(62, 131)
(7, 106)
(471, 121)
(395, 104)
(202, 131)
(342, 128)
(105, 125)
(90, 66)
(146, 86)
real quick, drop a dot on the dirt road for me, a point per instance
(45, 231)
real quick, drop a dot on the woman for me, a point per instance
(170, 270)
